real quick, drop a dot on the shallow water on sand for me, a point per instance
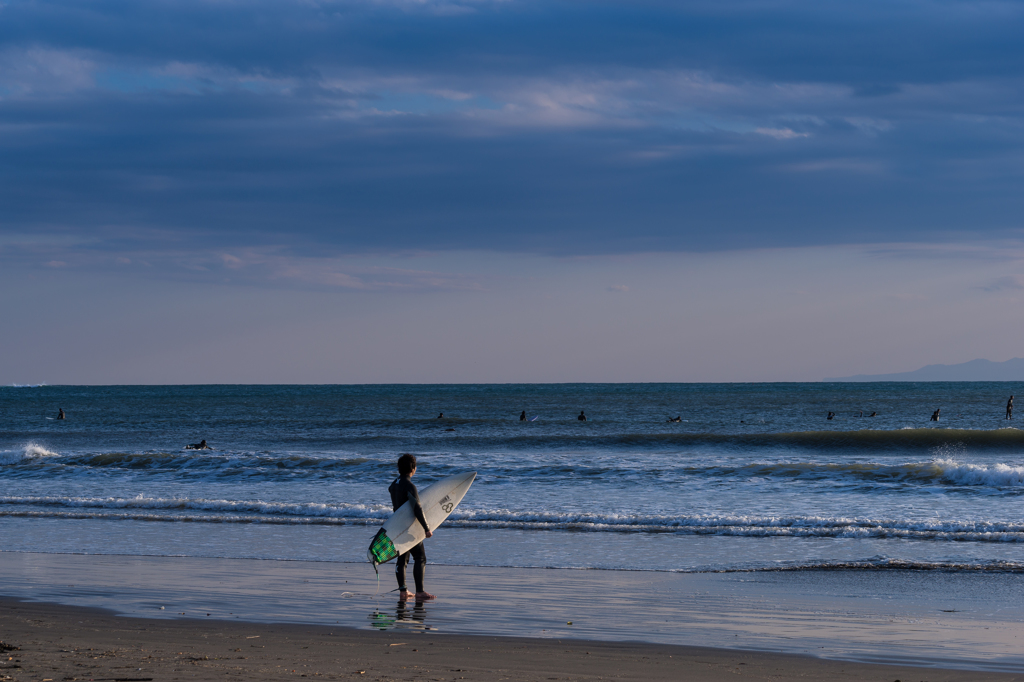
(942, 619)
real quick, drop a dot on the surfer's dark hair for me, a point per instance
(406, 463)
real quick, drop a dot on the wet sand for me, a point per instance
(913, 618)
(817, 621)
(56, 642)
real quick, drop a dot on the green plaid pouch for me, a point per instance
(382, 549)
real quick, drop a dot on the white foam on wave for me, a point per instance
(35, 450)
(256, 511)
(1000, 475)
(30, 451)
(309, 509)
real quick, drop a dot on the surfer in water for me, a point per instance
(935, 415)
(1009, 408)
(522, 416)
(201, 445)
(402, 490)
(60, 414)
(441, 416)
(582, 417)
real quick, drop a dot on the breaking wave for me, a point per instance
(887, 564)
(256, 511)
(948, 471)
(938, 471)
(29, 452)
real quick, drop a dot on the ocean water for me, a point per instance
(754, 478)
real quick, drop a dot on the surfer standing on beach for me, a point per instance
(402, 490)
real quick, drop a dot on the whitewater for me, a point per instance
(754, 477)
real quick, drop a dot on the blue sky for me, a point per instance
(375, 162)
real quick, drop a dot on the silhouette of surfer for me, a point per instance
(1009, 408)
(675, 419)
(441, 416)
(60, 414)
(522, 416)
(830, 416)
(201, 445)
(935, 415)
(582, 417)
(402, 490)
(873, 414)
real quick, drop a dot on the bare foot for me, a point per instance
(405, 594)
(424, 596)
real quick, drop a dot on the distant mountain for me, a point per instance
(975, 370)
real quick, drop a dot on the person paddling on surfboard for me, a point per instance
(402, 490)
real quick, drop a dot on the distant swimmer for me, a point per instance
(676, 419)
(1009, 409)
(441, 416)
(201, 445)
(60, 414)
(831, 415)
(522, 416)
(873, 414)
(935, 415)
(582, 417)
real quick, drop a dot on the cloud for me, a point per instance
(780, 133)
(1010, 282)
(266, 267)
(558, 127)
(44, 72)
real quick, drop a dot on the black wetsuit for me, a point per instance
(402, 490)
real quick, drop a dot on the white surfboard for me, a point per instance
(402, 531)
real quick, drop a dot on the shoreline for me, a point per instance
(904, 618)
(58, 642)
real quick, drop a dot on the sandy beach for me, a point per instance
(55, 642)
(131, 617)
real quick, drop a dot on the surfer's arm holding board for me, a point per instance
(404, 490)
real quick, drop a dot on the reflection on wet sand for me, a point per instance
(406, 617)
